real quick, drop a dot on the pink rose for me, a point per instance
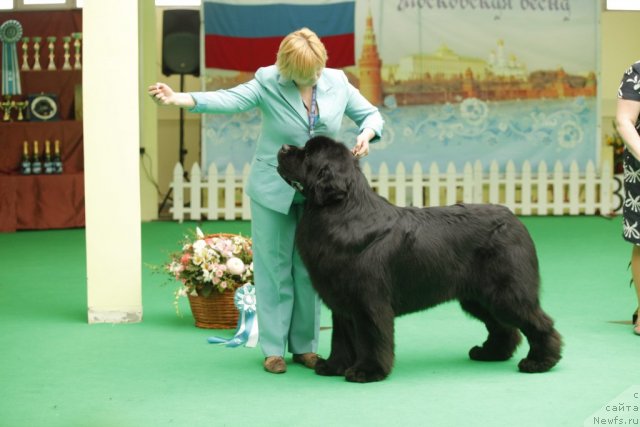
(185, 259)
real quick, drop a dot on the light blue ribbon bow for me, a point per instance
(10, 34)
(247, 329)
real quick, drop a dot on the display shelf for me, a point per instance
(44, 201)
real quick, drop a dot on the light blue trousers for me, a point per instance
(288, 307)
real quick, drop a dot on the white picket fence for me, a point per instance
(543, 192)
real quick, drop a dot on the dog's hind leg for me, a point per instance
(545, 343)
(342, 348)
(502, 340)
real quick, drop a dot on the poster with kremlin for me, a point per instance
(456, 81)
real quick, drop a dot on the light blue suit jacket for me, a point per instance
(285, 121)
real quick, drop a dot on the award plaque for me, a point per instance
(43, 107)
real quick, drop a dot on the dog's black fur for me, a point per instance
(371, 261)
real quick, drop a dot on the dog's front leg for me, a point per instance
(374, 327)
(342, 351)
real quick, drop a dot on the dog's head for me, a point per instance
(322, 170)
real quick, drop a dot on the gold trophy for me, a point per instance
(20, 106)
(76, 44)
(25, 54)
(67, 65)
(36, 53)
(52, 44)
(7, 106)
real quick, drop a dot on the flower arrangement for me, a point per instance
(211, 263)
(616, 142)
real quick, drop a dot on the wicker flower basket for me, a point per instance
(213, 265)
(216, 311)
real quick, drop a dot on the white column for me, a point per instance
(111, 160)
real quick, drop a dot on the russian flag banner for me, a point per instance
(244, 36)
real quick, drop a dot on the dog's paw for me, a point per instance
(483, 354)
(535, 366)
(326, 368)
(359, 375)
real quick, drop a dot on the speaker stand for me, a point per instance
(181, 151)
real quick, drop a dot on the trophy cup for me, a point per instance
(25, 54)
(66, 40)
(52, 44)
(7, 106)
(36, 53)
(20, 106)
(76, 44)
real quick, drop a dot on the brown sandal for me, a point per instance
(275, 365)
(307, 359)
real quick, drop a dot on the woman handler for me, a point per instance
(298, 98)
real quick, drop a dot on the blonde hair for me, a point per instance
(301, 55)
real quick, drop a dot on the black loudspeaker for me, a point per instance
(181, 42)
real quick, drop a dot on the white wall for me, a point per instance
(619, 50)
(168, 119)
(148, 113)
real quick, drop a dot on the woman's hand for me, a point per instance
(361, 148)
(162, 94)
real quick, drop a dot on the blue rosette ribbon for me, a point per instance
(10, 34)
(247, 329)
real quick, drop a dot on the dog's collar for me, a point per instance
(297, 185)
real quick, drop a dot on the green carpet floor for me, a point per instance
(57, 370)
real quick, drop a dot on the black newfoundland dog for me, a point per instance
(371, 261)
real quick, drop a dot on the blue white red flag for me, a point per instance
(245, 35)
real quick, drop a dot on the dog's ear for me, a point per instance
(328, 188)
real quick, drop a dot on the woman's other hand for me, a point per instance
(162, 94)
(361, 148)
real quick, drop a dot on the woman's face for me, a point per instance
(308, 81)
